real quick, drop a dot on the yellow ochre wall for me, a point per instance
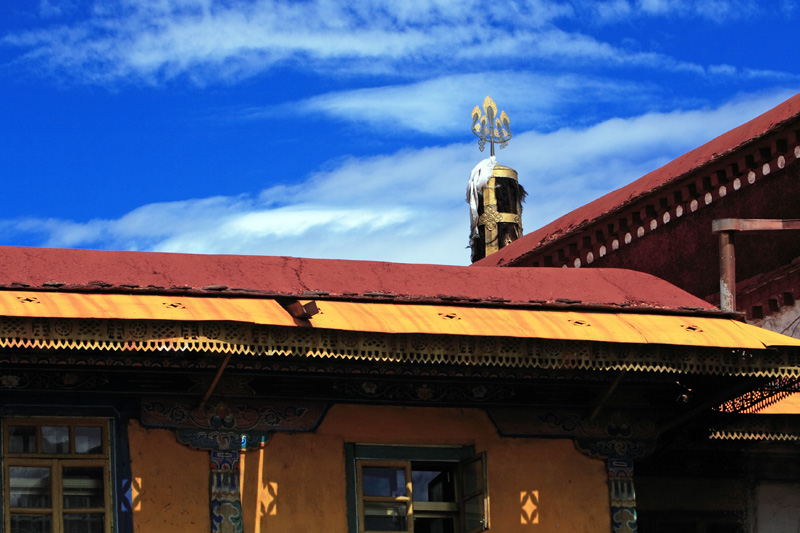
(296, 483)
(170, 483)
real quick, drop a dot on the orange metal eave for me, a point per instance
(141, 307)
(627, 327)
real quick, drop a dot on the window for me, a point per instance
(417, 489)
(56, 475)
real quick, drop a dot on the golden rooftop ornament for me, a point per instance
(490, 127)
(494, 194)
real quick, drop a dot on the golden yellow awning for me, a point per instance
(141, 307)
(627, 327)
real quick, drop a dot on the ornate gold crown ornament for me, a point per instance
(489, 127)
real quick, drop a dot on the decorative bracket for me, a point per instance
(616, 438)
(224, 432)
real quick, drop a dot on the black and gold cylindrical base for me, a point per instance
(499, 211)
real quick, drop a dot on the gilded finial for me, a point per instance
(490, 127)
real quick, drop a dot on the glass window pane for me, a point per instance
(55, 439)
(22, 439)
(384, 481)
(433, 485)
(30, 487)
(385, 516)
(23, 523)
(83, 487)
(473, 477)
(474, 513)
(84, 523)
(434, 525)
(88, 439)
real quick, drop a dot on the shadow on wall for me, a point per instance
(259, 496)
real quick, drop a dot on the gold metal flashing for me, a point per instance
(133, 339)
(757, 427)
(141, 307)
(138, 311)
(502, 171)
(423, 334)
(745, 435)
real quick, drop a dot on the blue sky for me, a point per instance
(340, 129)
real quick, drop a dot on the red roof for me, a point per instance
(231, 275)
(590, 213)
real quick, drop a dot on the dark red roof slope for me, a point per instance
(669, 173)
(231, 275)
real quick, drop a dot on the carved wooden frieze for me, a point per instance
(239, 417)
(532, 422)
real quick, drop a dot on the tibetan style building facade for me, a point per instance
(721, 222)
(663, 221)
(147, 392)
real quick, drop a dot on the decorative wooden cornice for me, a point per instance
(756, 427)
(760, 398)
(210, 426)
(186, 337)
(724, 176)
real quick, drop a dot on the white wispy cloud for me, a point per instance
(409, 205)
(717, 11)
(440, 106)
(209, 40)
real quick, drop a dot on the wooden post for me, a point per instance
(727, 253)
(622, 495)
(727, 272)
